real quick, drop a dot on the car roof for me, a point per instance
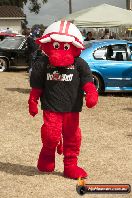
(15, 38)
(103, 42)
(7, 34)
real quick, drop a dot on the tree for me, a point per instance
(38, 29)
(41, 26)
(35, 5)
(19, 3)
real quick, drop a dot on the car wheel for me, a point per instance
(98, 83)
(3, 65)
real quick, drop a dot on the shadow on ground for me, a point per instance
(128, 109)
(20, 90)
(125, 94)
(17, 69)
(17, 169)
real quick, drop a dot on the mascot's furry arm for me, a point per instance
(87, 85)
(91, 94)
(35, 94)
(37, 91)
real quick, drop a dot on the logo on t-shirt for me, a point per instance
(70, 67)
(59, 77)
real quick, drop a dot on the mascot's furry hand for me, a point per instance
(33, 101)
(91, 94)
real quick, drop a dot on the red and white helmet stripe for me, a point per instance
(63, 31)
(64, 27)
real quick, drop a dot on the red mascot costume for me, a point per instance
(59, 79)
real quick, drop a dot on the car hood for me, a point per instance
(4, 52)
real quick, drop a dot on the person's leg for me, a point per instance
(50, 135)
(29, 62)
(71, 145)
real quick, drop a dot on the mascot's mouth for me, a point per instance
(62, 59)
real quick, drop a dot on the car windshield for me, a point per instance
(87, 44)
(11, 43)
(130, 46)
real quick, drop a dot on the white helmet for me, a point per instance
(63, 31)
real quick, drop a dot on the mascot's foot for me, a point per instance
(74, 172)
(46, 163)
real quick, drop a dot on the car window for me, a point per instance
(130, 46)
(100, 53)
(10, 43)
(116, 52)
(87, 44)
(119, 52)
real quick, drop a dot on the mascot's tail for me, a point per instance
(60, 147)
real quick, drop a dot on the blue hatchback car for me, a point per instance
(111, 64)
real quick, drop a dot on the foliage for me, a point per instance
(38, 29)
(34, 5)
(19, 3)
(41, 26)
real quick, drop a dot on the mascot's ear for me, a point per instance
(76, 51)
(37, 41)
(43, 39)
(46, 48)
(45, 44)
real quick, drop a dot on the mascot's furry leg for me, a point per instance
(50, 135)
(71, 145)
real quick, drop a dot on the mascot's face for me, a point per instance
(61, 54)
(61, 42)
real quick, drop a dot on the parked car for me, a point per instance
(4, 35)
(111, 64)
(12, 52)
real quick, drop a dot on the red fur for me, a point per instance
(91, 94)
(57, 123)
(51, 136)
(60, 57)
(33, 101)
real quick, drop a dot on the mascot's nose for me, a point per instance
(61, 58)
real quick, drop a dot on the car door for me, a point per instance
(130, 50)
(21, 55)
(117, 73)
(14, 48)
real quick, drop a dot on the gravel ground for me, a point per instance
(106, 151)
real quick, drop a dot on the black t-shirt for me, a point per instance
(61, 85)
(31, 46)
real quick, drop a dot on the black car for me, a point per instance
(12, 53)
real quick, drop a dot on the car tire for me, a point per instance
(3, 65)
(98, 83)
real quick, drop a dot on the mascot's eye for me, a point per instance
(66, 46)
(56, 45)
